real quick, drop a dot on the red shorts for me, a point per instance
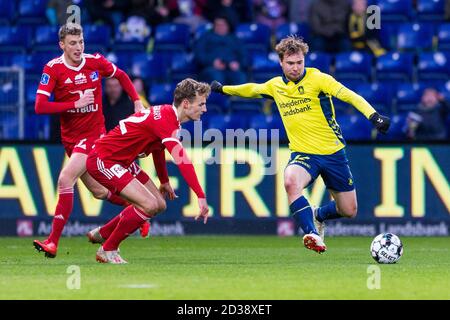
(112, 175)
(84, 145)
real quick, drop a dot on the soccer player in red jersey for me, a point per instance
(75, 80)
(148, 131)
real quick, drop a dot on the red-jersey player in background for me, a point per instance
(147, 131)
(75, 80)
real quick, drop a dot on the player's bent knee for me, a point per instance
(349, 211)
(100, 194)
(66, 180)
(162, 206)
(291, 185)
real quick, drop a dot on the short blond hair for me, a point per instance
(188, 89)
(291, 45)
(69, 28)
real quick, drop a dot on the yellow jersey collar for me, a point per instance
(286, 80)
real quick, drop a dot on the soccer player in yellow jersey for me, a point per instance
(304, 100)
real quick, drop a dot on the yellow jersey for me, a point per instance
(306, 108)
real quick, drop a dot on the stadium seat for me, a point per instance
(254, 36)
(130, 43)
(245, 106)
(228, 121)
(286, 29)
(397, 130)
(218, 101)
(16, 39)
(9, 126)
(444, 88)
(31, 86)
(433, 10)
(7, 12)
(122, 59)
(408, 96)
(355, 127)
(394, 66)
(443, 34)
(353, 65)
(32, 12)
(415, 36)
(97, 38)
(388, 35)
(202, 29)
(172, 36)
(161, 93)
(150, 66)
(37, 127)
(265, 67)
(183, 66)
(268, 122)
(319, 60)
(32, 64)
(379, 95)
(396, 10)
(433, 66)
(46, 38)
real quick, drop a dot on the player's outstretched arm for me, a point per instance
(246, 90)
(381, 123)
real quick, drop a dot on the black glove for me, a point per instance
(216, 86)
(380, 122)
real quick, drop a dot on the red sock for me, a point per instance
(62, 213)
(111, 197)
(131, 220)
(108, 228)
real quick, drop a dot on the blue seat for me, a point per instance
(408, 96)
(265, 67)
(395, 66)
(379, 95)
(37, 127)
(444, 88)
(245, 106)
(319, 60)
(183, 66)
(353, 65)
(97, 37)
(7, 11)
(125, 42)
(218, 101)
(32, 12)
(254, 36)
(355, 127)
(6, 59)
(202, 29)
(388, 34)
(286, 29)
(150, 66)
(268, 122)
(172, 36)
(433, 66)
(161, 93)
(9, 126)
(228, 121)
(15, 38)
(34, 63)
(415, 36)
(397, 129)
(122, 59)
(433, 10)
(46, 38)
(396, 10)
(443, 34)
(31, 86)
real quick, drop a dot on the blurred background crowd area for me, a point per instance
(402, 68)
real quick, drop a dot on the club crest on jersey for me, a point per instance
(80, 78)
(94, 76)
(301, 90)
(45, 78)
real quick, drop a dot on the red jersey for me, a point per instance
(68, 83)
(145, 132)
(139, 134)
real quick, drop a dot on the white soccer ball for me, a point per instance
(386, 248)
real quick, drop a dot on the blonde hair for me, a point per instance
(188, 89)
(69, 28)
(291, 45)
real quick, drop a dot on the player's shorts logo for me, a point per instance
(118, 170)
(45, 78)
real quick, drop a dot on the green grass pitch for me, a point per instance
(225, 267)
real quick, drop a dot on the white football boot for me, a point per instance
(112, 257)
(320, 226)
(313, 242)
(94, 236)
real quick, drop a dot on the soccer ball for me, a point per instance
(386, 248)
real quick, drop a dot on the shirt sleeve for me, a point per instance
(47, 82)
(106, 68)
(336, 89)
(250, 90)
